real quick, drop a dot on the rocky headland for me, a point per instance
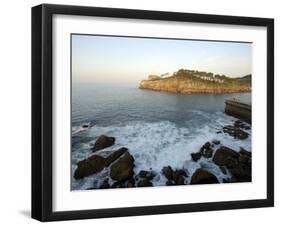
(191, 81)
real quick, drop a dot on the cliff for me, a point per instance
(190, 81)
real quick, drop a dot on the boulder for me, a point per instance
(148, 175)
(235, 132)
(122, 170)
(238, 164)
(196, 156)
(179, 177)
(103, 142)
(223, 155)
(202, 176)
(168, 172)
(144, 183)
(115, 155)
(92, 165)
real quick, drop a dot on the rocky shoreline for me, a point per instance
(119, 164)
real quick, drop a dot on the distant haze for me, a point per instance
(103, 59)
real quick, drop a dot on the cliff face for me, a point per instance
(185, 81)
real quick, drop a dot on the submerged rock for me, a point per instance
(92, 165)
(235, 132)
(242, 125)
(216, 142)
(103, 142)
(122, 169)
(202, 176)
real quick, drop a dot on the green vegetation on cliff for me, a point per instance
(191, 81)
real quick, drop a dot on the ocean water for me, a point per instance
(158, 128)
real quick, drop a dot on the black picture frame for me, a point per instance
(42, 106)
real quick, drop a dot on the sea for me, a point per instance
(158, 128)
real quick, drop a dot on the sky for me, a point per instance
(106, 59)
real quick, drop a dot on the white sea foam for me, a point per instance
(158, 144)
(80, 128)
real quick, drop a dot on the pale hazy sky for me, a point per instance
(126, 60)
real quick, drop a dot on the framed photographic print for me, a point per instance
(145, 112)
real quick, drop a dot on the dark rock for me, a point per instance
(238, 164)
(202, 176)
(242, 125)
(242, 171)
(115, 155)
(170, 183)
(92, 165)
(105, 184)
(142, 174)
(103, 142)
(149, 175)
(219, 132)
(207, 153)
(122, 169)
(168, 172)
(222, 168)
(206, 150)
(130, 183)
(230, 180)
(223, 154)
(206, 145)
(180, 180)
(179, 173)
(179, 177)
(245, 152)
(144, 183)
(118, 184)
(216, 142)
(196, 156)
(235, 132)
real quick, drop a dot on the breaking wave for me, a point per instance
(158, 144)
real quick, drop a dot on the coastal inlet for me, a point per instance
(130, 137)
